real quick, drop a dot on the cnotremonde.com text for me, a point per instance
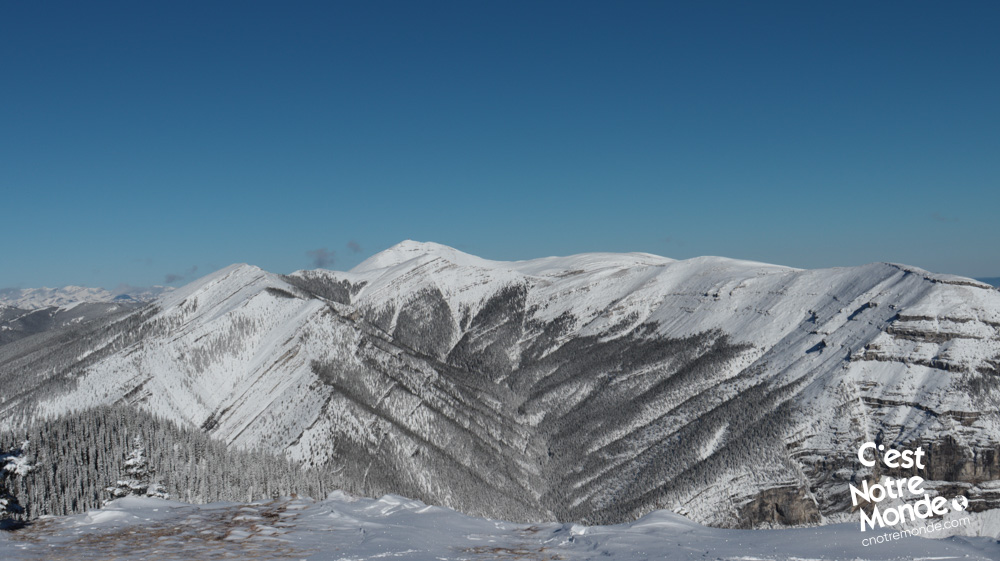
(900, 488)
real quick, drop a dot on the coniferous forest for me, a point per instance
(79, 460)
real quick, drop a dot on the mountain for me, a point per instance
(26, 312)
(18, 323)
(39, 298)
(595, 387)
(993, 281)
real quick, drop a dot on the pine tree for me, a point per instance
(76, 457)
(140, 476)
(12, 464)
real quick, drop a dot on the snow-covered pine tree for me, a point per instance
(12, 464)
(76, 457)
(139, 480)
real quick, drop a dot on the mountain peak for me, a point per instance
(558, 387)
(408, 250)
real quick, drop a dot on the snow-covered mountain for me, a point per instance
(18, 323)
(595, 387)
(27, 312)
(38, 298)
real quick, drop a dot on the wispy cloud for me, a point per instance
(938, 217)
(354, 246)
(171, 278)
(322, 258)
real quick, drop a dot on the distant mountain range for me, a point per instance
(38, 298)
(995, 281)
(596, 387)
(26, 312)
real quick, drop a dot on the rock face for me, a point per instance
(780, 506)
(590, 388)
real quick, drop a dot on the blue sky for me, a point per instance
(146, 139)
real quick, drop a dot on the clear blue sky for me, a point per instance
(146, 139)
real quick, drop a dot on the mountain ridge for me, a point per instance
(594, 387)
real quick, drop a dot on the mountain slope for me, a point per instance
(26, 312)
(18, 323)
(594, 387)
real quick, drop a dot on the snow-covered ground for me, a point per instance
(345, 528)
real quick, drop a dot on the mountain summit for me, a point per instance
(594, 387)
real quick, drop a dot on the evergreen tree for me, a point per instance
(139, 481)
(76, 456)
(12, 464)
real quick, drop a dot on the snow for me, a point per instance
(16, 462)
(242, 332)
(68, 297)
(410, 250)
(343, 527)
(227, 350)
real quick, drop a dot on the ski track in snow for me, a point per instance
(345, 528)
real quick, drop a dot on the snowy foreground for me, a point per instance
(346, 528)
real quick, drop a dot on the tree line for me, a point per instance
(81, 460)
